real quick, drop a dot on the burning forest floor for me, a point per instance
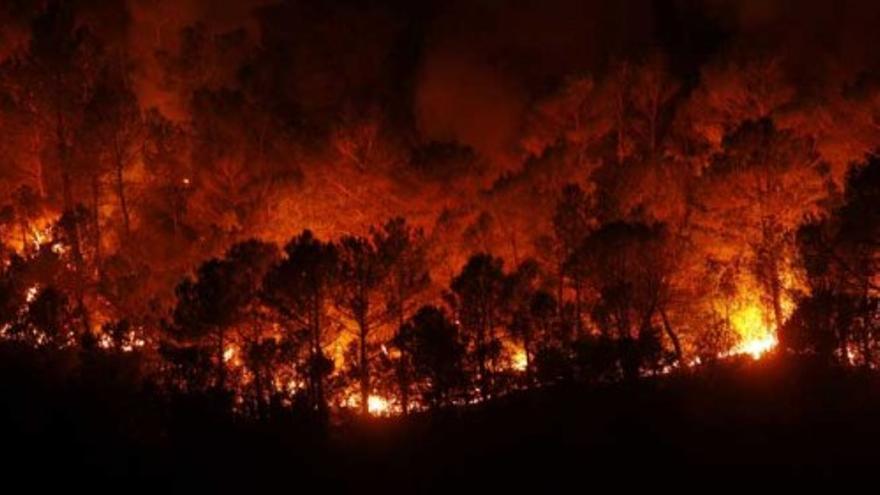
(742, 420)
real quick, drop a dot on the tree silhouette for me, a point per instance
(299, 288)
(116, 133)
(362, 273)
(49, 321)
(222, 295)
(437, 353)
(27, 207)
(573, 220)
(477, 299)
(57, 82)
(839, 258)
(403, 249)
(753, 198)
(525, 309)
(628, 270)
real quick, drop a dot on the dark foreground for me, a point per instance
(737, 423)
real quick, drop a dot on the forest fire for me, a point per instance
(378, 406)
(756, 336)
(229, 355)
(39, 237)
(520, 360)
(293, 214)
(31, 294)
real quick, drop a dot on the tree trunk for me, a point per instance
(23, 226)
(655, 110)
(621, 132)
(72, 227)
(120, 192)
(676, 344)
(40, 172)
(403, 383)
(866, 338)
(221, 361)
(776, 294)
(578, 325)
(560, 290)
(481, 360)
(364, 366)
(258, 385)
(318, 357)
(403, 369)
(96, 219)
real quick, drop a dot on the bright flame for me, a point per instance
(41, 232)
(851, 354)
(32, 293)
(228, 354)
(134, 343)
(378, 406)
(756, 334)
(756, 348)
(519, 360)
(40, 236)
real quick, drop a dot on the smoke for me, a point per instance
(486, 62)
(821, 42)
(470, 103)
(15, 19)
(161, 32)
(459, 79)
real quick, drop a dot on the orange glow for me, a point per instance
(222, 204)
(229, 354)
(41, 229)
(378, 406)
(58, 248)
(32, 293)
(39, 237)
(756, 348)
(519, 360)
(756, 335)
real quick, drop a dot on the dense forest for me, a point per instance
(278, 219)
